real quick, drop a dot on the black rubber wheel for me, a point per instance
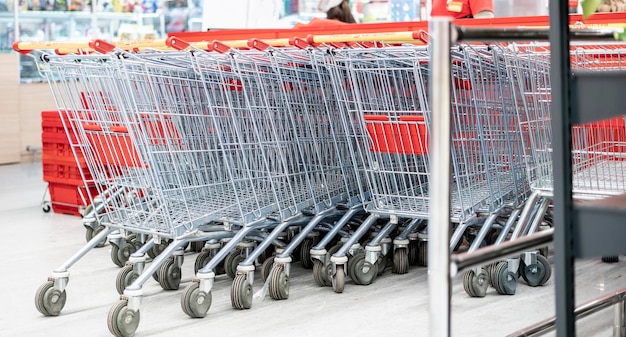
(381, 264)
(490, 269)
(279, 283)
(492, 236)
(121, 321)
(196, 246)
(46, 207)
(361, 271)
(610, 259)
(234, 262)
(201, 260)
(169, 275)
(414, 252)
(195, 303)
(505, 281)
(228, 262)
(90, 233)
(423, 254)
(535, 273)
(339, 279)
(48, 300)
(305, 252)
(266, 268)
(467, 283)
(125, 277)
(124, 252)
(476, 285)
(157, 249)
(400, 261)
(546, 265)
(115, 253)
(320, 274)
(241, 292)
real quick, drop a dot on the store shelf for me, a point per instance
(74, 26)
(592, 229)
(597, 95)
(599, 227)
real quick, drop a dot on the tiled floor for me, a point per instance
(34, 243)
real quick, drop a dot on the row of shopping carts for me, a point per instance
(253, 157)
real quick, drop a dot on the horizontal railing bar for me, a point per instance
(467, 34)
(584, 310)
(485, 255)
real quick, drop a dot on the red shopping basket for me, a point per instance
(407, 135)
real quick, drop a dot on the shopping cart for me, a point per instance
(156, 177)
(597, 148)
(386, 89)
(279, 97)
(157, 145)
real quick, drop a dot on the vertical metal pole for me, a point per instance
(439, 222)
(562, 163)
(94, 20)
(619, 330)
(16, 18)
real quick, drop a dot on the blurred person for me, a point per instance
(337, 10)
(177, 17)
(461, 9)
(612, 6)
(337, 13)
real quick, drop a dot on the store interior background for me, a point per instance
(24, 95)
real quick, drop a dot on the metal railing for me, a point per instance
(615, 299)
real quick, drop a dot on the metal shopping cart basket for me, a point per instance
(277, 88)
(385, 89)
(597, 148)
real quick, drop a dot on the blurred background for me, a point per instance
(62, 20)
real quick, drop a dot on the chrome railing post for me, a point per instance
(439, 218)
(619, 330)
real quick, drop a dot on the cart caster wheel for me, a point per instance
(504, 281)
(490, 269)
(125, 277)
(413, 253)
(544, 251)
(195, 303)
(537, 274)
(320, 274)
(422, 259)
(339, 279)
(381, 264)
(119, 255)
(115, 250)
(201, 260)
(361, 271)
(169, 275)
(122, 322)
(49, 301)
(476, 285)
(124, 253)
(492, 236)
(46, 207)
(610, 259)
(88, 209)
(400, 261)
(266, 268)
(241, 292)
(279, 283)
(90, 233)
(157, 249)
(197, 246)
(305, 253)
(231, 261)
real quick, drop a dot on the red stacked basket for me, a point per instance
(64, 172)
